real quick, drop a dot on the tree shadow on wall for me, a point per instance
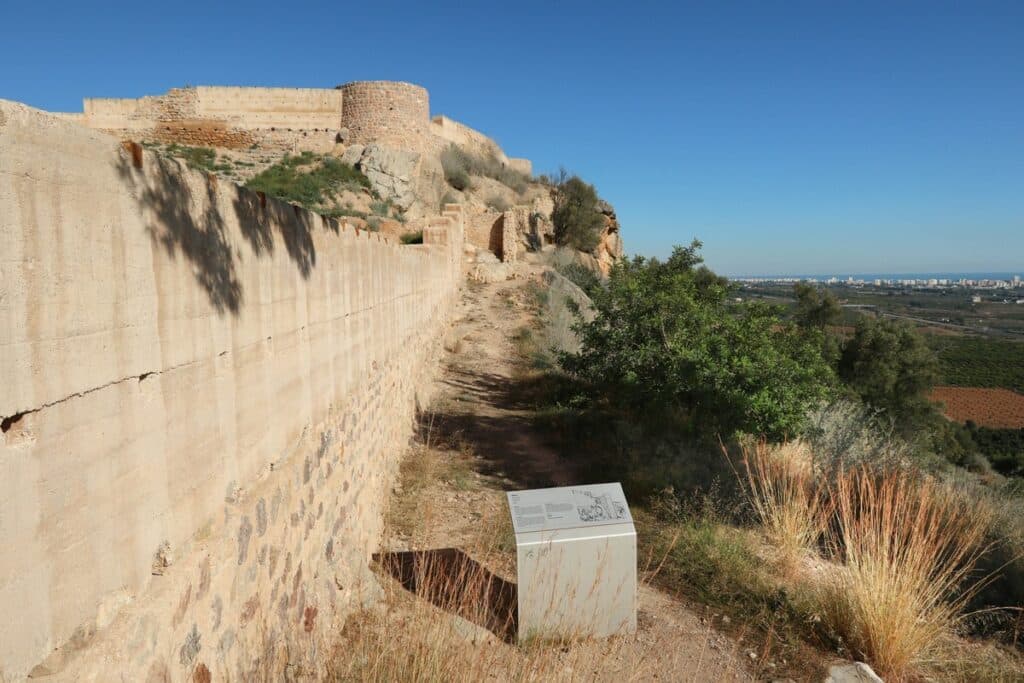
(198, 235)
(453, 581)
(257, 216)
(191, 223)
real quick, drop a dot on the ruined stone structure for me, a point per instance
(447, 131)
(205, 395)
(222, 117)
(290, 119)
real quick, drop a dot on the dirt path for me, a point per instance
(479, 399)
(478, 442)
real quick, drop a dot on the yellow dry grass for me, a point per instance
(908, 546)
(781, 488)
(902, 547)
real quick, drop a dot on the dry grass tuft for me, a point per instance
(908, 546)
(780, 486)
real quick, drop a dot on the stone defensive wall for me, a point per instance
(389, 112)
(205, 396)
(232, 117)
(474, 141)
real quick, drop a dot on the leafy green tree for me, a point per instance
(576, 219)
(666, 338)
(815, 308)
(890, 367)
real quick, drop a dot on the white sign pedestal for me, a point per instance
(576, 548)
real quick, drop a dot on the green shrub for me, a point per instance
(1003, 447)
(307, 187)
(667, 339)
(199, 158)
(412, 237)
(578, 223)
(891, 368)
(581, 276)
(373, 223)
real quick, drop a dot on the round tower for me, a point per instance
(388, 111)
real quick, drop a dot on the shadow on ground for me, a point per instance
(521, 430)
(493, 416)
(450, 579)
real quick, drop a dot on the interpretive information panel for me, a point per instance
(568, 507)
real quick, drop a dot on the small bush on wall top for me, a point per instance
(577, 221)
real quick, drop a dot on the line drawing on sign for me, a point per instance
(599, 508)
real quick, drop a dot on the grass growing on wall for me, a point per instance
(200, 158)
(308, 180)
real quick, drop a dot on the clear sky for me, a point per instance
(791, 137)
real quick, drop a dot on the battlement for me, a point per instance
(314, 119)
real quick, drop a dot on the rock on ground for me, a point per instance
(564, 296)
(852, 672)
(352, 154)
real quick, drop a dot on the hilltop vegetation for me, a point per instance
(760, 444)
(666, 339)
(460, 166)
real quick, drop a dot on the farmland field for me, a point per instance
(987, 407)
(979, 362)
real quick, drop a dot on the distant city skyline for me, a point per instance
(940, 275)
(789, 137)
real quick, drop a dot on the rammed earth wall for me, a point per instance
(204, 396)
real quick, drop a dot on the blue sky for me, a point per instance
(790, 137)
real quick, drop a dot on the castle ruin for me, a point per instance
(289, 119)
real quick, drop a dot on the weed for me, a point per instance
(199, 158)
(908, 545)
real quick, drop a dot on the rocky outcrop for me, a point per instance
(565, 299)
(485, 267)
(609, 249)
(352, 154)
(391, 172)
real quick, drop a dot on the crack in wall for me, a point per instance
(10, 423)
